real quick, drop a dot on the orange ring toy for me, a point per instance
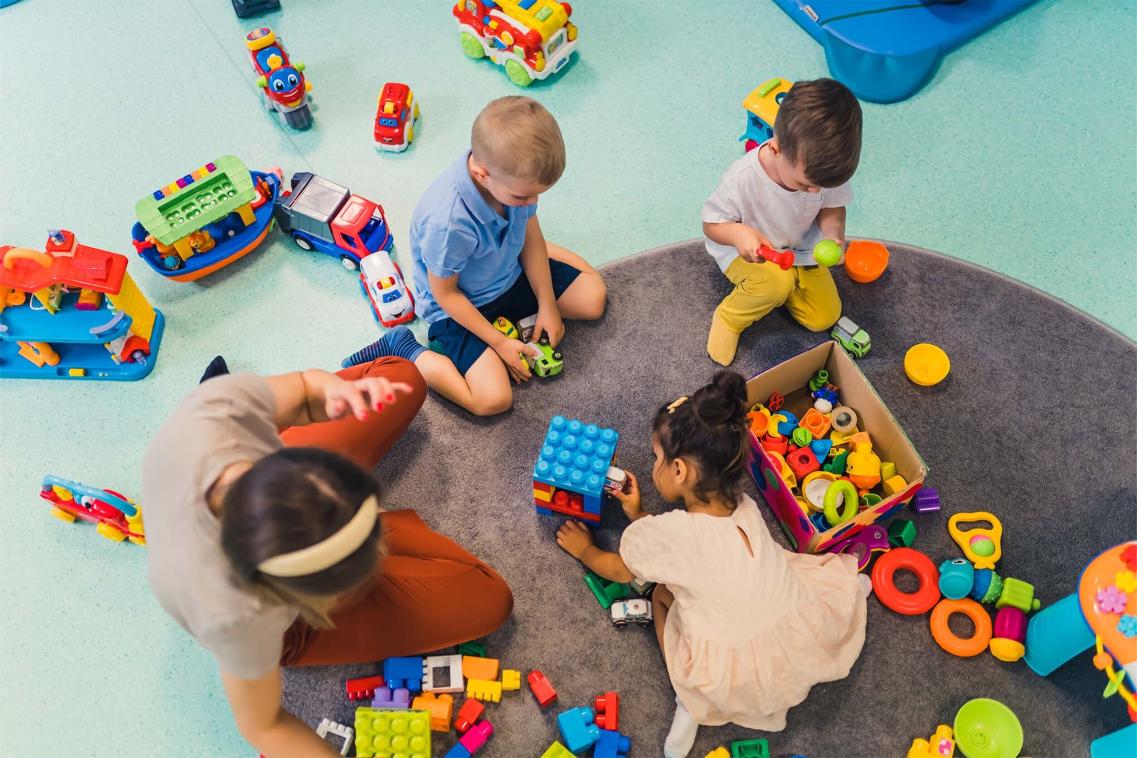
(949, 640)
(906, 603)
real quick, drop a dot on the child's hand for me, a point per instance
(549, 323)
(748, 241)
(357, 398)
(510, 351)
(629, 497)
(574, 538)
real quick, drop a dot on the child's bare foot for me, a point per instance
(722, 343)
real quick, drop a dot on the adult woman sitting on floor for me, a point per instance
(266, 543)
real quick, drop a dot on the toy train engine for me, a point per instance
(285, 88)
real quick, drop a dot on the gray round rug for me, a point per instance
(1036, 423)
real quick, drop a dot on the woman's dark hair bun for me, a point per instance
(723, 401)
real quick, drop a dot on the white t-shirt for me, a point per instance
(747, 194)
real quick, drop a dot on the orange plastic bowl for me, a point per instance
(865, 261)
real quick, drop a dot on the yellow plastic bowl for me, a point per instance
(926, 364)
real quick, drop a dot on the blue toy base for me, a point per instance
(90, 356)
(886, 50)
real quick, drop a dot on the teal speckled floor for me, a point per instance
(1019, 156)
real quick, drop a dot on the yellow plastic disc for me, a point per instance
(926, 364)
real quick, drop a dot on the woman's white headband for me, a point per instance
(329, 552)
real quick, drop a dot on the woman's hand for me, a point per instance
(629, 497)
(372, 393)
(574, 538)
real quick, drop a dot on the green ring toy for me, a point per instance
(848, 506)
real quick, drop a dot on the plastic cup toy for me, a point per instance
(986, 728)
(827, 253)
(865, 261)
(926, 364)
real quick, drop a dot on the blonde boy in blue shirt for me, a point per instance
(789, 192)
(479, 253)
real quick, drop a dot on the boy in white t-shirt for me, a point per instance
(788, 193)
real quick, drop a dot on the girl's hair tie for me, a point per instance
(671, 408)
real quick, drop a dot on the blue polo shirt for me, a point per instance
(455, 231)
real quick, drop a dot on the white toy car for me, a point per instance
(634, 611)
(382, 282)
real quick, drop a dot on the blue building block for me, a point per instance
(577, 728)
(575, 456)
(458, 751)
(403, 673)
(612, 745)
(593, 504)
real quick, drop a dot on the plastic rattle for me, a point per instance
(827, 253)
(1009, 637)
(871, 539)
(983, 547)
(783, 259)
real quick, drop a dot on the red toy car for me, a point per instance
(394, 120)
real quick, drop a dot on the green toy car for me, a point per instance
(852, 337)
(550, 362)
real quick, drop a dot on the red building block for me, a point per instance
(468, 715)
(608, 711)
(777, 445)
(802, 462)
(363, 688)
(570, 504)
(541, 688)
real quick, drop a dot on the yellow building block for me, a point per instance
(480, 668)
(510, 680)
(557, 750)
(887, 470)
(544, 497)
(483, 689)
(894, 485)
(719, 752)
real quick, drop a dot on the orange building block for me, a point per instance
(440, 708)
(480, 668)
(816, 422)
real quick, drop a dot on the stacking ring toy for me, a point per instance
(949, 640)
(908, 604)
(848, 505)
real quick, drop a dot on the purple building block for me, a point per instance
(386, 698)
(577, 728)
(927, 500)
(612, 745)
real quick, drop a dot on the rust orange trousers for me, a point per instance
(429, 592)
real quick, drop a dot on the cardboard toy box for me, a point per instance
(791, 379)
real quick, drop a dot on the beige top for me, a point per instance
(227, 419)
(748, 635)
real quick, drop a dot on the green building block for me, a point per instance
(606, 592)
(837, 464)
(750, 749)
(902, 533)
(380, 732)
(557, 750)
(1019, 594)
(473, 648)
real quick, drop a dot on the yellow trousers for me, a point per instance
(809, 294)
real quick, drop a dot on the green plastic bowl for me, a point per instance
(986, 728)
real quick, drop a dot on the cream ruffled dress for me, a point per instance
(748, 634)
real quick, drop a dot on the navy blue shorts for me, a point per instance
(517, 302)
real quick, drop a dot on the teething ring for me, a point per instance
(949, 640)
(906, 603)
(848, 505)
